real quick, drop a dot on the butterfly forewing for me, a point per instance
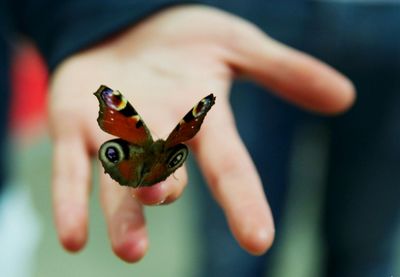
(117, 117)
(191, 122)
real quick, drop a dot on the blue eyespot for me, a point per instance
(112, 154)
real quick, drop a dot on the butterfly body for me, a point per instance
(135, 159)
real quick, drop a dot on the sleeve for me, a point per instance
(62, 27)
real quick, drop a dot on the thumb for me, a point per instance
(291, 74)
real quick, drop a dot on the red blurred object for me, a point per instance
(29, 86)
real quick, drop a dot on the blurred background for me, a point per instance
(175, 231)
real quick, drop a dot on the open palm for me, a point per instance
(163, 66)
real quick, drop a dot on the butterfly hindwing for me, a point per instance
(135, 166)
(123, 161)
(191, 122)
(117, 117)
(166, 162)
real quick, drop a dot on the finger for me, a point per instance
(71, 184)
(234, 182)
(293, 75)
(164, 192)
(125, 221)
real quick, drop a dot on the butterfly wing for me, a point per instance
(134, 159)
(164, 164)
(117, 117)
(123, 161)
(191, 122)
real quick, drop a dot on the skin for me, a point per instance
(164, 65)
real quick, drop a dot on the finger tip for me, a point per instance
(349, 95)
(73, 242)
(259, 241)
(72, 234)
(255, 234)
(131, 249)
(344, 93)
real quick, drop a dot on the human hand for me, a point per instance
(163, 66)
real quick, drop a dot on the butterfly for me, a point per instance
(134, 159)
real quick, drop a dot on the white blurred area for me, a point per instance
(20, 231)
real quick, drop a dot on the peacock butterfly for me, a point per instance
(134, 159)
